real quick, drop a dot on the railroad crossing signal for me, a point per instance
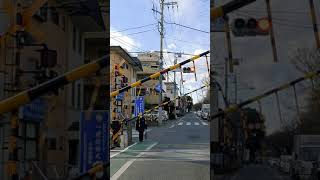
(188, 70)
(251, 27)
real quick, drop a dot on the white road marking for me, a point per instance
(188, 123)
(180, 123)
(171, 126)
(127, 164)
(205, 124)
(121, 150)
(196, 123)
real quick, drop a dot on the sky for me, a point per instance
(256, 73)
(126, 14)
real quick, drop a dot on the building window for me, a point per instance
(31, 141)
(79, 95)
(55, 16)
(73, 152)
(72, 94)
(80, 42)
(52, 143)
(64, 23)
(74, 38)
(42, 14)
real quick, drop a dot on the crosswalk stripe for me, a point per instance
(188, 123)
(205, 124)
(196, 123)
(180, 123)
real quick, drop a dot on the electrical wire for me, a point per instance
(138, 27)
(133, 33)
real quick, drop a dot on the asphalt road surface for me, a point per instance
(255, 172)
(175, 151)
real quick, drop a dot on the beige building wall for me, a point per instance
(130, 73)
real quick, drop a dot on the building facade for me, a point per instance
(150, 65)
(128, 67)
(47, 145)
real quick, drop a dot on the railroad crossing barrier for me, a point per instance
(228, 7)
(27, 96)
(235, 107)
(156, 75)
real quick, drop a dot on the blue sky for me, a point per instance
(193, 13)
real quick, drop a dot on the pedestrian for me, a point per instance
(141, 126)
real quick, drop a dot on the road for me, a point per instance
(253, 172)
(174, 151)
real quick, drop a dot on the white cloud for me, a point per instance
(172, 46)
(119, 39)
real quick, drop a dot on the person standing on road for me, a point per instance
(141, 126)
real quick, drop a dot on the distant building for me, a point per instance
(150, 65)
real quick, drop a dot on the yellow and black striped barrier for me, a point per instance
(228, 7)
(27, 96)
(156, 75)
(235, 107)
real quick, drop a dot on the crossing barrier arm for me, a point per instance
(27, 96)
(235, 107)
(156, 75)
(228, 7)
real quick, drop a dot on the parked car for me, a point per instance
(204, 115)
(155, 114)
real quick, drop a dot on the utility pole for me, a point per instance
(226, 78)
(161, 30)
(175, 87)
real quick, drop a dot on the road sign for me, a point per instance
(158, 88)
(94, 139)
(218, 25)
(120, 97)
(34, 111)
(139, 105)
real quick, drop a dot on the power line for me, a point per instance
(188, 27)
(134, 33)
(138, 27)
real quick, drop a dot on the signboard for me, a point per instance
(34, 111)
(158, 88)
(120, 97)
(94, 134)
(139, 105)
(218, 25)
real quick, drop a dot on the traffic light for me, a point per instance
(251, 27)
(188, 70)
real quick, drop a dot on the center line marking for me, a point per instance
(127, 164)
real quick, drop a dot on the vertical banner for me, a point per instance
(139, 105)
(94, 137)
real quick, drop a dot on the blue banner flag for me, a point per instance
(94, 139)
(139, 105)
